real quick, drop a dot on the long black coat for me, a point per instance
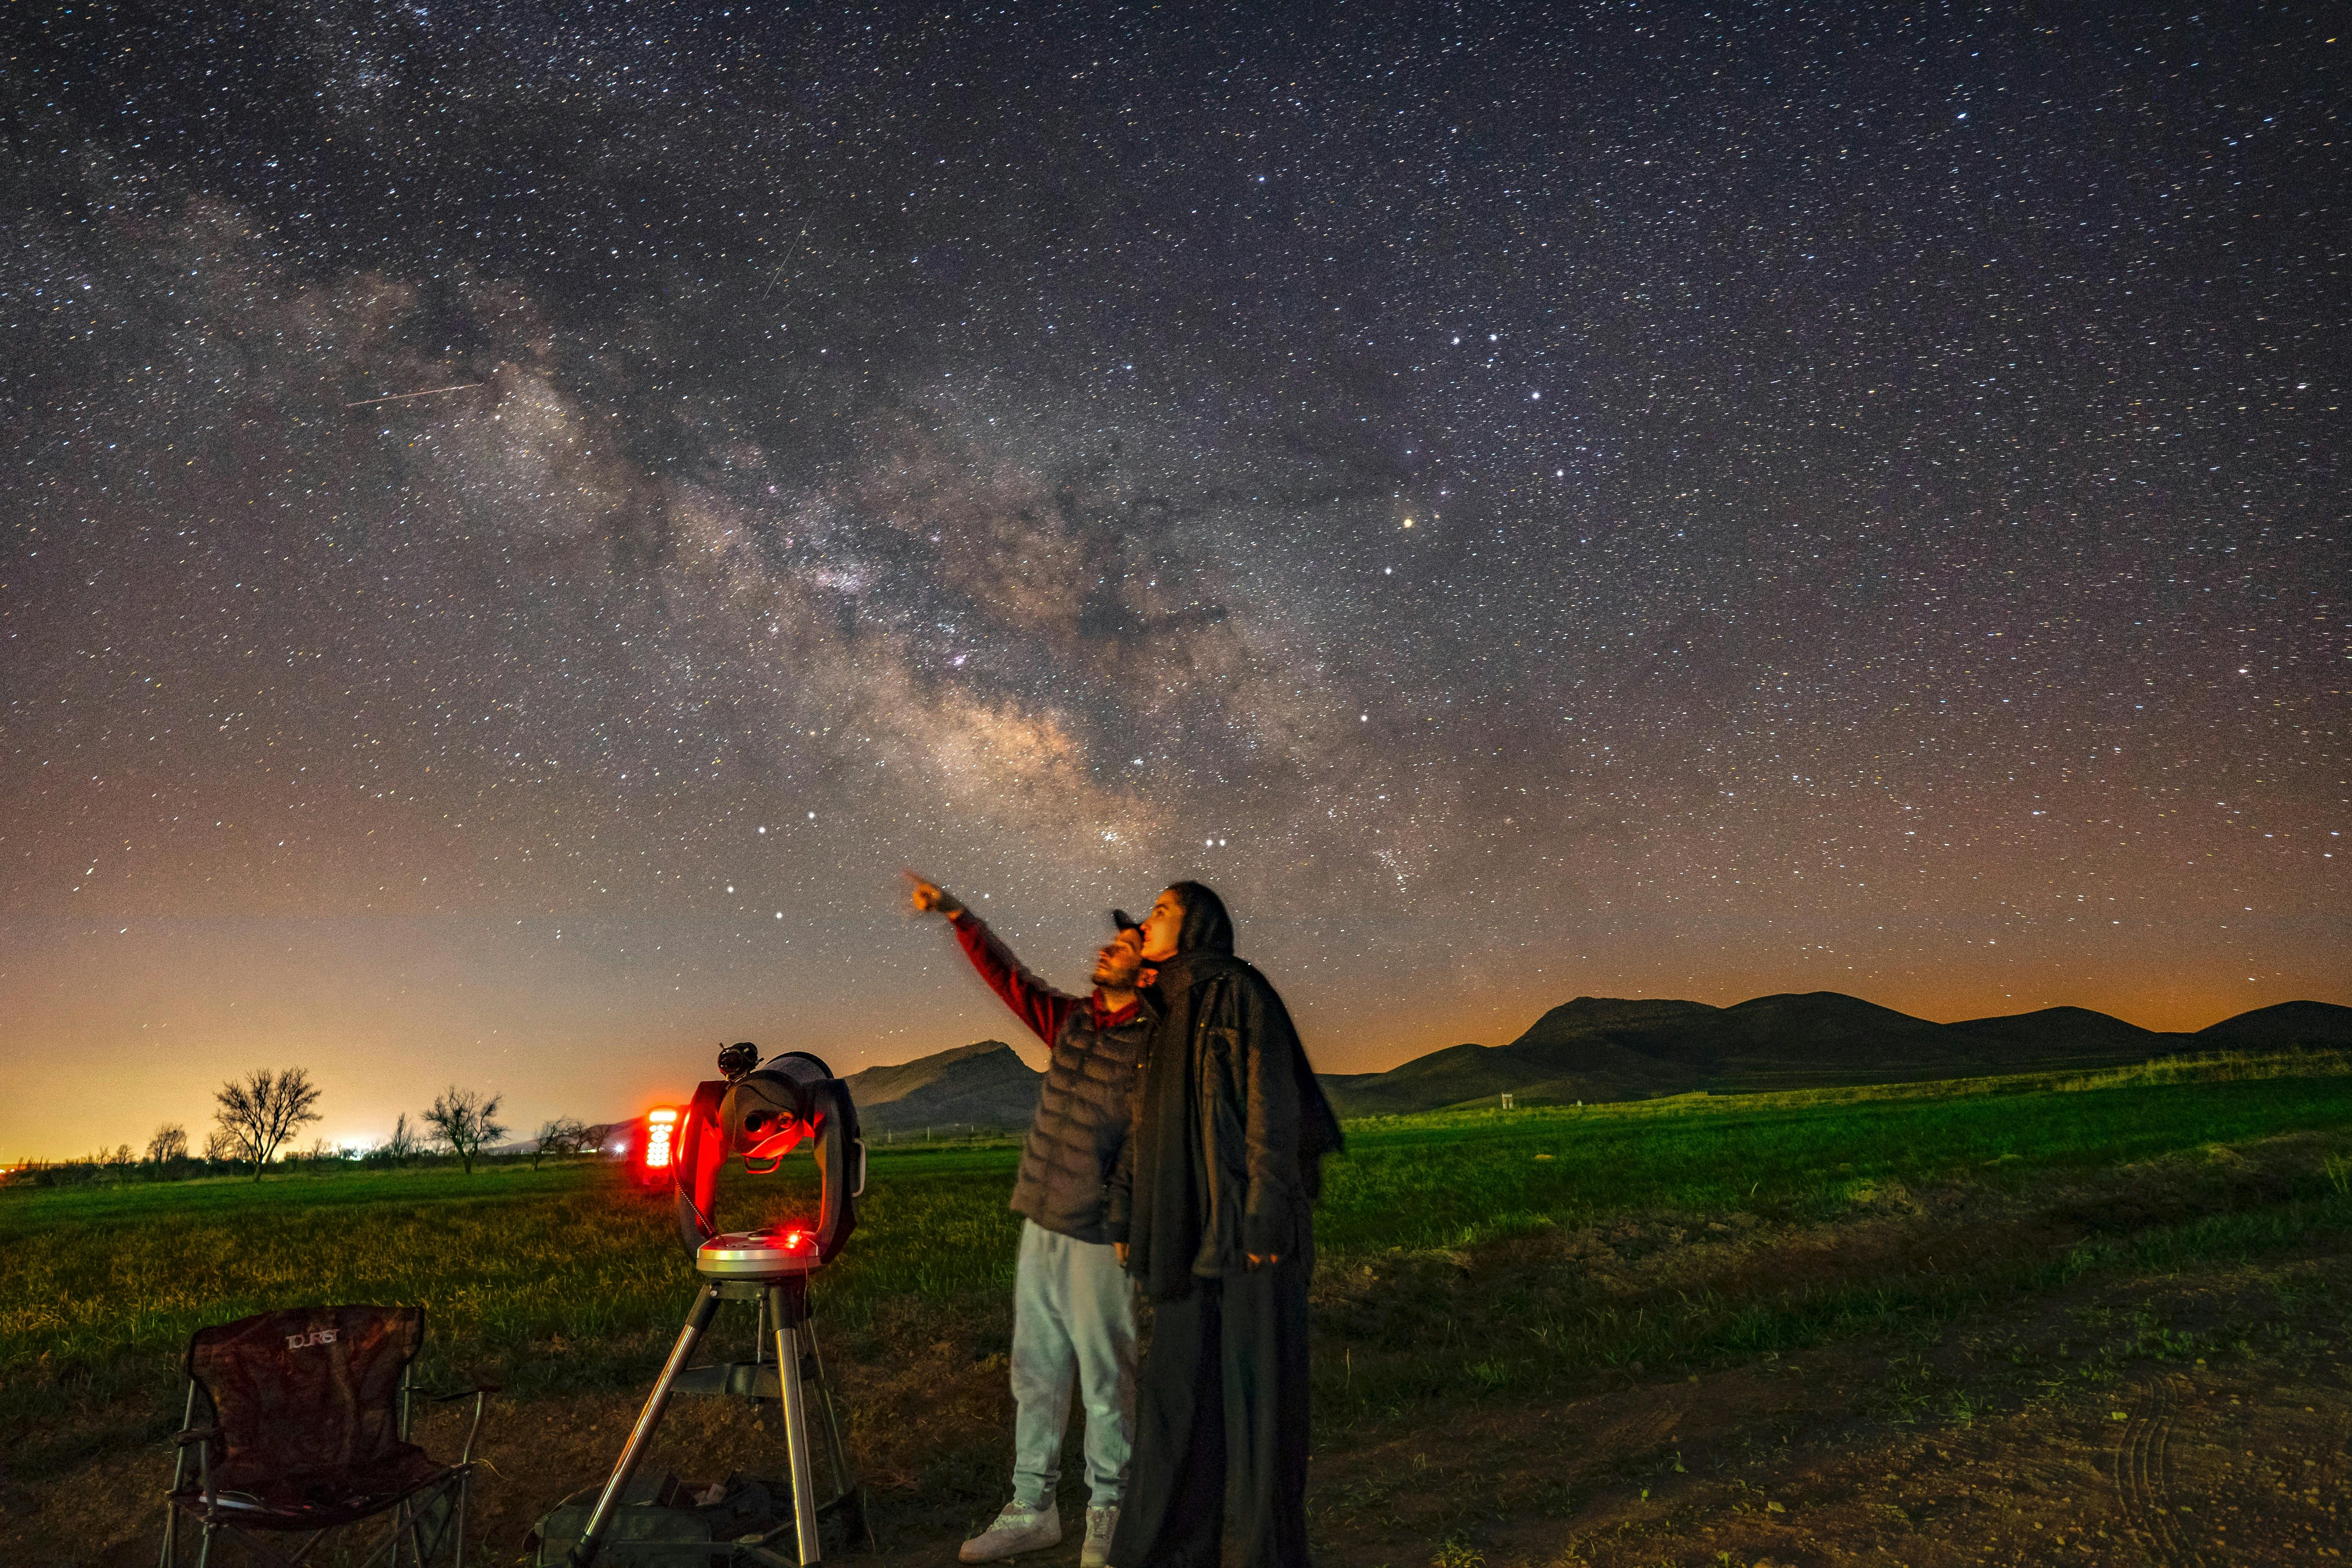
(1225, 1157)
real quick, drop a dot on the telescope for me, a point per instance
(759, 1114)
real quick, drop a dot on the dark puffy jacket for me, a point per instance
(1083, 1106)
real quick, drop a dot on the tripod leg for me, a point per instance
(796, 1427)
(834, 1454)
(697, 1318)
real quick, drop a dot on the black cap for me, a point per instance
(1125, 921)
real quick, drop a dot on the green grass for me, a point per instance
(565, 1279)
(1450, 1179)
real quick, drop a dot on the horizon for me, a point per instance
(351, 1139)
(508, 546)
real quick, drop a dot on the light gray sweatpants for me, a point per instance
(1072, 1312)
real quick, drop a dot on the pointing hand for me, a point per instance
(929, 896)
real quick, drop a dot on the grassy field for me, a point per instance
(1461, 1256)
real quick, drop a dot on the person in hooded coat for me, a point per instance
(1211, 1205)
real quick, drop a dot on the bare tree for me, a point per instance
(220, 1146)
(405, 1142)
(266, 1110)
(170, 1143)
(561, 1135)
(463, 1121)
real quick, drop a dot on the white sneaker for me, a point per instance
(1021, 1527)
(1100, 1523)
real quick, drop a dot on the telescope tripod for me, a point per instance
(785, 1312)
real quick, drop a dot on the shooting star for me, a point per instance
(428, 391)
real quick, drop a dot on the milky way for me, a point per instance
(1643, 501)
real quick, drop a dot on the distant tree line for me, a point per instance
(257, 1119)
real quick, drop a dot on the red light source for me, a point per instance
(658, 1145)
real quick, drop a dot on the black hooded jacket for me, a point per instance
(1225, 1159)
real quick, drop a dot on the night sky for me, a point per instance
(1624, 500)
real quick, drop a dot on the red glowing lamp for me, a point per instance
(656, 1152)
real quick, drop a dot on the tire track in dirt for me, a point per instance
(1630, 1438)
(2142, 1467)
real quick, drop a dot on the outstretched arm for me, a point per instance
(1033, 1001)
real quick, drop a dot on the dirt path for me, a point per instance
(2046, 1437)
(1754, 1468)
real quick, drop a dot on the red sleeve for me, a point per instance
(1037, 1004)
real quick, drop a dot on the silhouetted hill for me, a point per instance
(2274, 1029)
(983, 1085)
(1828, 1028)
(1442, 1077)
(1600, 1047)
(2057, 1035)
(1603, 1048)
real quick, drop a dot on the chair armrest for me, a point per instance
(438, 1397)
(479, 1394)
(200, 1438)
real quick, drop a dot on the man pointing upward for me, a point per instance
(1072, 1309)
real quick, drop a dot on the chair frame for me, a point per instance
(407, 1509)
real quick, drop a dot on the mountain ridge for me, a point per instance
(981, 1085)
(1604, 1047)
(1611, 1048)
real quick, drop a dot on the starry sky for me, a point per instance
(1619, 499)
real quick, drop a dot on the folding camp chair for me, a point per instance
(300, 1422)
